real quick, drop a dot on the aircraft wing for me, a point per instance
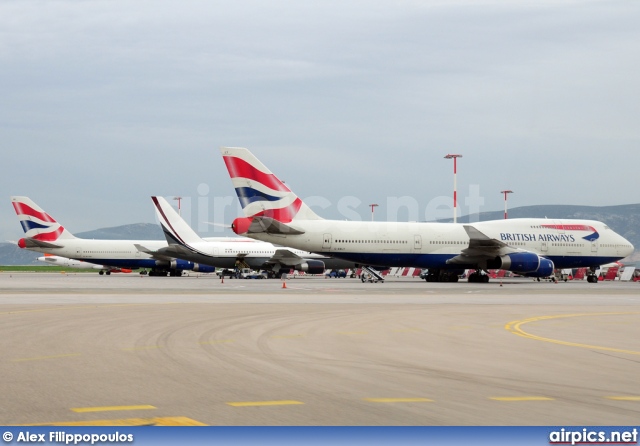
(286, 258)
(481, 248)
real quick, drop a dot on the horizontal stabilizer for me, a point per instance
(33, 243)
(271, 226)
(178, 251)
(143, 249)
(160, 254)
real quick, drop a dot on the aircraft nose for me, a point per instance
(629, 250)
(628, 247)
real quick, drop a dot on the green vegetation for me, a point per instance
(43, 269)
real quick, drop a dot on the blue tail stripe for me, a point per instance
(27, 225)
(248, 195)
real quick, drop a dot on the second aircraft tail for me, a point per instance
(176, 230)
(36, 223)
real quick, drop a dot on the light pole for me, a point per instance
(178, 198)
(372, 207)
(505, 192)
(455, 186)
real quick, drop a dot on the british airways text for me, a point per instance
(512, 237)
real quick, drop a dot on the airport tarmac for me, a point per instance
(84, 348)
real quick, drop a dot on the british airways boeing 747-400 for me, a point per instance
(531, 247)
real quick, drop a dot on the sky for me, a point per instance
(106, 103)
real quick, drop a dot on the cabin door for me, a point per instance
(326, 241)
(417, 243)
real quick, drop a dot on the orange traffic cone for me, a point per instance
(284, 284)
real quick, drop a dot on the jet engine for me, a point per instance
(527, 263)
(197, 267)
(545, 270)
(311, 267)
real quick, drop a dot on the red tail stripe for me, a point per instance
(22, 208)
(285, 214)
(49, 236)
(238, 167)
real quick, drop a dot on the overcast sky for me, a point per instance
(105, 103)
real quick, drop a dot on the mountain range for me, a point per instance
(624, 219)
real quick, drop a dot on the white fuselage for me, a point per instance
(430, 245)
(69, 263)
(219, 252)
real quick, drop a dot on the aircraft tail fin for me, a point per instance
(260, 192)
(36, 223)
(176, 230)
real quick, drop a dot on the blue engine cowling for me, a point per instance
(311, 267)
(545, 270)
(181, 264)
(526, 263)
(185, 265)
(199, 268)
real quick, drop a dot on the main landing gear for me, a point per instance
(478, 277)
(591, 276)
(439, 275)
(164, 273)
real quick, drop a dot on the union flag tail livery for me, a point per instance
(36, 223)
(260, 192)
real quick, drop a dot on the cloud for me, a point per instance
(106, 103)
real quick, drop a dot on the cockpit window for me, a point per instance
(606, 227)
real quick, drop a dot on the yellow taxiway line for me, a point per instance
(111, 408)
(515, 327)
(516, 399)
(264, 403)
(399, 400)
(160, 421)
(39, 358)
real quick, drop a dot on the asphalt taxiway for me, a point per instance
(83, 348)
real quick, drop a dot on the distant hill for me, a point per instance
(624, 219)
(136, 231)
(10, 254)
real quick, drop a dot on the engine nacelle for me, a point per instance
(546, 269)
(203, 268)
(176, 264)
(526, 263)
(520, 262)
(181, 264)
(311, 267)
